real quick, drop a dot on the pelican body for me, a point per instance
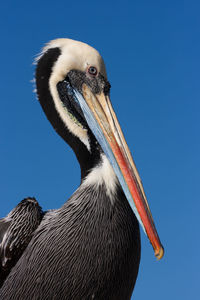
(90, 247)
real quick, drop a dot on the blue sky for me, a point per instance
(152, 53)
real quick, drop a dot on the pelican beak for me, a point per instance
(102, 120)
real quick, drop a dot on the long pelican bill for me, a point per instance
(102, 120)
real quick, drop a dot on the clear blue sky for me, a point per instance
(152, 53)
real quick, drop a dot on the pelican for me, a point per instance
(90, 247)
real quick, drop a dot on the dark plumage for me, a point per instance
(16, 231)
(87, 249)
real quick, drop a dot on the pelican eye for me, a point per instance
(92, 71)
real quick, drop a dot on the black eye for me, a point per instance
(92, 71)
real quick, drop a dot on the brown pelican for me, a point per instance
(90, 247)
